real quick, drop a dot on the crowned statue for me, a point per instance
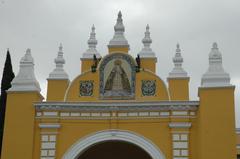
(117, 82)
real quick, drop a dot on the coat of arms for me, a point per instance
(148, 87)
(86, 88)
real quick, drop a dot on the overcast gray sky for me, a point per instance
(42, 24)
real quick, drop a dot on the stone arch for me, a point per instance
(113, 135)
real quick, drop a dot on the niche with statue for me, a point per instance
(117, 77)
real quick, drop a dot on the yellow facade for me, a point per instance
(19, 128)
(54, 86)
(118, 49)
(86, 65)
(178, 88)
(149, 64)
(119, 103)
(216, 123)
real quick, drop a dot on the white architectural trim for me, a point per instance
(116, 135)
(180, 125)
(238, 131)
(117, 106)
(49, 126)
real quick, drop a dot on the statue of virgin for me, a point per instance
(117, 82)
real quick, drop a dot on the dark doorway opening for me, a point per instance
(114, 150)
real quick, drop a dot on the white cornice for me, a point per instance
(118, 106)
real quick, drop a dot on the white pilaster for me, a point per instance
(49, 132)
(180, 140)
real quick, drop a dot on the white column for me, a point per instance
(180, 140)
(48, 140)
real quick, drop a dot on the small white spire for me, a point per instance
(58, 72)
(215, 75)
(119, 39)
(146, 51)
(178, 71)
(92, 43)
(25, 79)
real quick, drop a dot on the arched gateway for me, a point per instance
(114, 98)
(113, 135)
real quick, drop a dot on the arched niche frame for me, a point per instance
(104, 66)
(113, 135)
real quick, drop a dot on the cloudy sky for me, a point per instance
(43, 24)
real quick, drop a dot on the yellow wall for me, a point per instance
(19, 129)
(149, 64)
(238, 142)
(56, 89)
(118, 49)
(216, 124)
(86, 65)
(211, 135)
(193, 141)
(161, 89)
(73, 91)
(73, 130)
(73, 94)
(178, 88)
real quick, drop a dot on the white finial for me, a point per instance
(92, 43)
(147, 52)
(25, 79)
(178, 48)
(60, 47)
(215, 75)
(58, 72)
(119, 39)
(178, 71)
(214, 46)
